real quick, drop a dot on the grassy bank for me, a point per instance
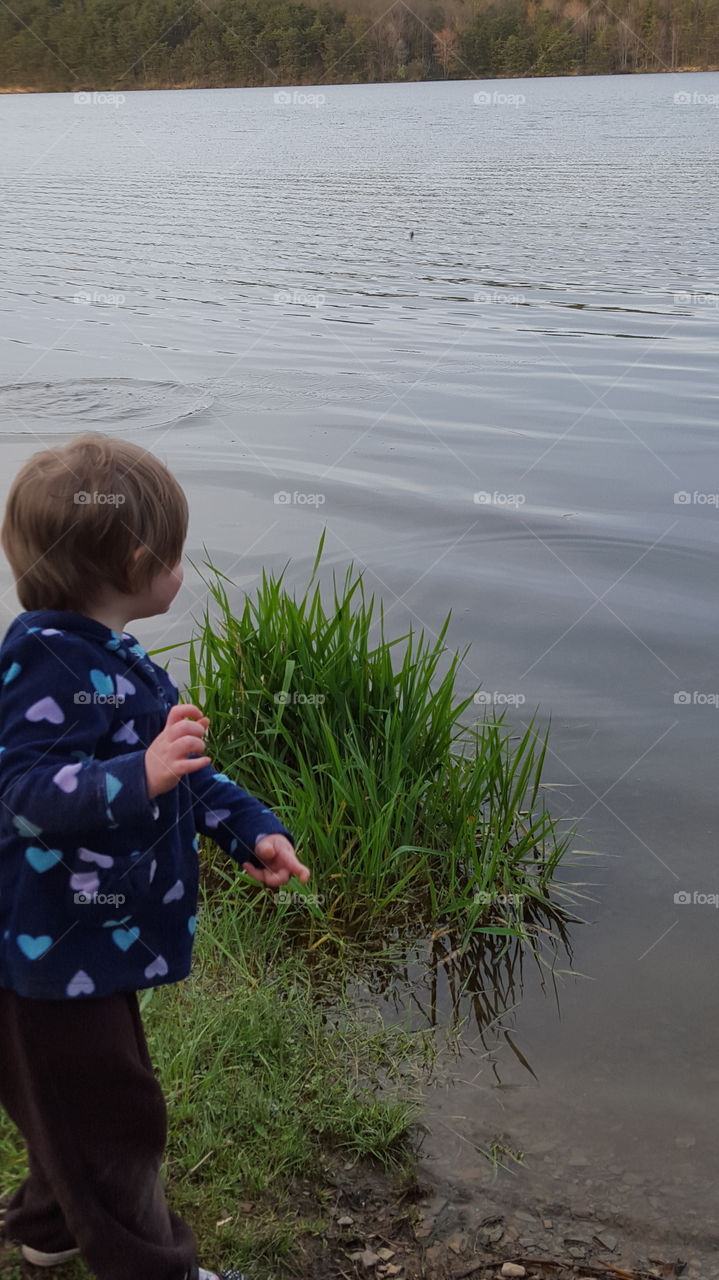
(269, 1084)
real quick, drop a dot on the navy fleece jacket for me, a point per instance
(98, 883)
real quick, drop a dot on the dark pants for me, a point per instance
(77, 1079)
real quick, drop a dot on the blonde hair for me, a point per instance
(75, 515)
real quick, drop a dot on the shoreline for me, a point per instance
(166, 87)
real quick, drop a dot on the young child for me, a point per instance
(104, 785)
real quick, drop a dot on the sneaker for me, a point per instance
(40, 1259)
(222, 1275)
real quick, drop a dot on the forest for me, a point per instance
(134, 44)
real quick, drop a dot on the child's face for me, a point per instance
(159, 595)
(165, 586)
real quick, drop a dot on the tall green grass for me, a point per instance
(410, 811)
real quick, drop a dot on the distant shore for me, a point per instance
(195, 84)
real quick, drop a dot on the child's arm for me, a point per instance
(245, 828)
(232, 817)
(50, 725)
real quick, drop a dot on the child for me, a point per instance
(104, 785)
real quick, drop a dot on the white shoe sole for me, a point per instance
(40, 1259)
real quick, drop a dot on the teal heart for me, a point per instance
(13, 670)
(25, 826)
(112, 786)
(42, 859)
(33, 947)
(102, 682)
(192, 924)
(124, 938)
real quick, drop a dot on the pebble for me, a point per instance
(607, 1240)
(345, 1221)
(457, 1242)
(369, 1259)
(512, 1269)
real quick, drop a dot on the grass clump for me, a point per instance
(409, 814)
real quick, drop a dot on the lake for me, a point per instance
(476, 340)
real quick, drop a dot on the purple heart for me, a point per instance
(87, 882)
(101, 859)
(45, 709)
(124, 686)
(66, 778)
(214, 817)
(126, 733)
(81, 985)
(175, 893)
(157, 969)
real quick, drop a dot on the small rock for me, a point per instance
(422, 1232)
(345, 1221)
(512, 1269)
(457, 1242)
(435, 1255)
(369, 1259)
(578, 1162)
(607, 1241)
(547, 1224)
(576, 1251)
(385, 1254)
(392, 1269)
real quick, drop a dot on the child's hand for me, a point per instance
(168, 758)
(281, 862)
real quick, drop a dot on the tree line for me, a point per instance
(135, 44)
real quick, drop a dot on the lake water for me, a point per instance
(234, 282)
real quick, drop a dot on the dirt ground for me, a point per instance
(381, 1227)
